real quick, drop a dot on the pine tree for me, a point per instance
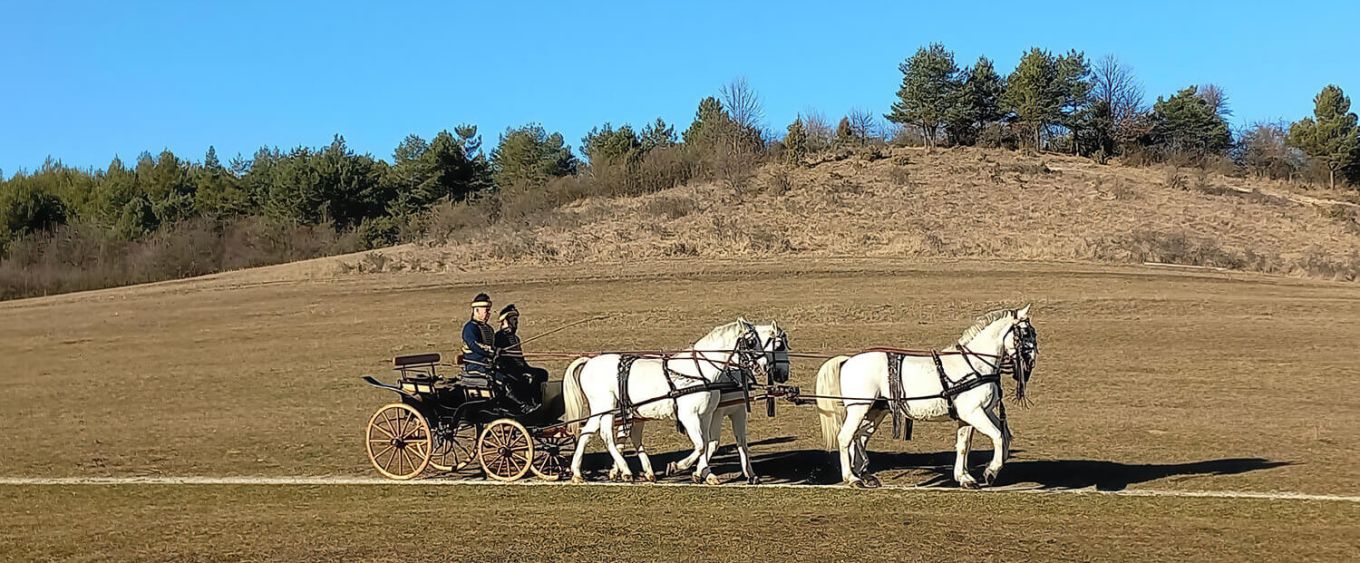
(1032, 92)
(978, 102)
(1074, 90)
(218, 192)
(795, 142)
(657, 135)
(1330, 136)
(609, 145)
(1186, 122)
(710, 122)
(929, 91)
(530, 155)
(168, 186)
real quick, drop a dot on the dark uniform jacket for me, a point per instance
(511, 355)
(478, 350)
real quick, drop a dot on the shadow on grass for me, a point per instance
(935, 469)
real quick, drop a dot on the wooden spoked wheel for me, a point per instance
(453, 449)
(505, 450)
(552, 455)
(398, 441)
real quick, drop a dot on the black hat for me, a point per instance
(509, 311)
(481, 300)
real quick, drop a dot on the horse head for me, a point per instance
(1007, 335)
(763, 348)
(1021, 344)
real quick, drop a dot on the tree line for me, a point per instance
(1051, 102)
(1065, 102)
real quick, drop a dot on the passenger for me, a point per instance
(510, 356)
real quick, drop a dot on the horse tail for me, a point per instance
(573, 395)
(831, 411)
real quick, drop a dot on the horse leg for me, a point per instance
(583, 437)
(854, 415)
(676, 467)
(635, 434)
(988, 423)
(743, 448)
(620, 469)
(961, 448)
(871, 422)
(698, 436)
(711, 425)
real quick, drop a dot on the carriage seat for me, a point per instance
(417, 360)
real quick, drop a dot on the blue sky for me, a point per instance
(86, 81)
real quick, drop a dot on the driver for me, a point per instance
(479, 352)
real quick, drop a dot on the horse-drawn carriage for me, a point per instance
(446, 423)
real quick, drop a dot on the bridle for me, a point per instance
(750, 349)
(1018, 363)
(748, 361)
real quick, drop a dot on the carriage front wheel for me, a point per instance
(398, 441)
(505, 450)
(453, 447)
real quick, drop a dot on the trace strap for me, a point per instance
(901, 423)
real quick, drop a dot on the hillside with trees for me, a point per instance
(1063, 121)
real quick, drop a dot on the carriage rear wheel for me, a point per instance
(398, 441)
(552, 454)
(453, 449)
(505, 450)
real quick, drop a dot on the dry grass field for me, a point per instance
(1149, 378)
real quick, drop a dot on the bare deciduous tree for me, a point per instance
(1263, 149)
(863, 125)
(1217, 99)
(742, 104)
(1115, 85)
(820, 133)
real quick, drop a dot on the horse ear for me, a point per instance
(742, 321)
(1022, 313)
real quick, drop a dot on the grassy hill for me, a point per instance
(941, 204)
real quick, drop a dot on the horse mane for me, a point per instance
(982, 323)
(720, 332)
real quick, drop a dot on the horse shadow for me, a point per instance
(936, 469)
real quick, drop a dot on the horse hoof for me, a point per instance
(968, 483)
(577, 479)
(712, 480)
(989, 477)
(857, 484)
(871, 482)
(649, 477)
(696, 478)
(753, 480)
(614, 474)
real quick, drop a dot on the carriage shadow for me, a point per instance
(935, 469)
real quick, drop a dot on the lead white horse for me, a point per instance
(684, 386)
(962, 382)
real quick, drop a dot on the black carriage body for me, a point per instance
(465, 399)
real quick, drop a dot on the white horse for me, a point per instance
(733, 406)
(965, 385)
(684, 386)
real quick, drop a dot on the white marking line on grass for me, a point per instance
(322, 480)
